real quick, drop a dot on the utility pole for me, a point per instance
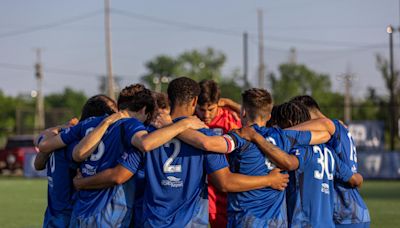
(292, 56)
(39, 114)
(392, 101)
(347, 95)
(261, 66)
(245, 61)
(107, 25)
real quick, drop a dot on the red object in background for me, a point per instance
(13, 155)
(221, 124)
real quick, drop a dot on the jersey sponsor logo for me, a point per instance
(325, 188)
(50, 180)
(124, 156)
(173, 182)
(89, 170)
(354, 169)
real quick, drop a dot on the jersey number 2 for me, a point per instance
(168, 168)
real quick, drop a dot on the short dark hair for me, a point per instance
(161, 100)
(209, 92)
(290, 114)
(135, 97)
(307, 101)
(98, 105)
(257, 102)
(182, 90)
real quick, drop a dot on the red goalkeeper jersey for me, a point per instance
(221, 124)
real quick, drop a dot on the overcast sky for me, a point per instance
(329, 36)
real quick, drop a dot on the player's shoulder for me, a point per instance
(207, 131)
(272, 131)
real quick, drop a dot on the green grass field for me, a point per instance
(23, 201)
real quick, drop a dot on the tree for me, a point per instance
(202, 65)
(68, 100)
(194, 64)
(297, 79)
(161, 66)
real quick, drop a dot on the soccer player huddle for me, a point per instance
(193, 159)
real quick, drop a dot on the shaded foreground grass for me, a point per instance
(23, 202)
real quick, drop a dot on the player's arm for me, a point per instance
(320, 124)
(51, 140)
(226, 102)
(345, 174)
(319, 137)
(201, 141)
(105, 179)
(89, 143)
(275, 154)
(146, 142)
(226, 181)
(41, 160)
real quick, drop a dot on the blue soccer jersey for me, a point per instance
(263, 207)
(176, 191)
(310, 192)
(110, 205)
(133, 161)
(60, 171)
(349, 207)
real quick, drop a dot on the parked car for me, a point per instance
(12, 156)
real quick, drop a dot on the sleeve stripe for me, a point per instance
(230, 143)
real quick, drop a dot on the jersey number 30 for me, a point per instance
(323, 161)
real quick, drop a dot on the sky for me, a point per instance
(330, 37)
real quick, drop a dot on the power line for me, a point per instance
(233, 32)
(50, 25)
(176, 23)
(74, 73)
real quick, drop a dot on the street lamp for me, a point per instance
(158, 80)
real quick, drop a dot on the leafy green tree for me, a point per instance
(298, 79)
(70, 99)
(194, 64)
(161, 66)
(202, 65)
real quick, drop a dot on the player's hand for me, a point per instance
(162, 119)
(278, 180)
(247, 133)
(236, 116)
(195, 123)
(77, 179)
(72, 122)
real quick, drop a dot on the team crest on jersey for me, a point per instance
(325, 188)
(173, 182)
